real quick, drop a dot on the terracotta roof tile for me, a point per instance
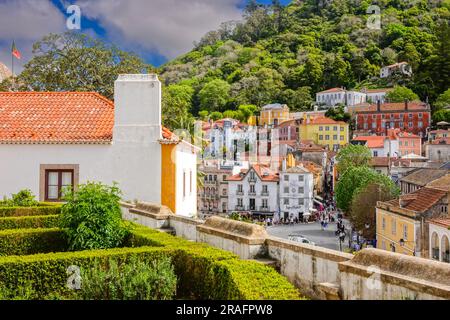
(424, 200)
(442, 222)
(332, 90)
(263, 172)
(55, 117)
(372, 141)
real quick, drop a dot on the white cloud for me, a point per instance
(168, 27)
(26, 21)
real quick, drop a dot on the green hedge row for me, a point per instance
(209, 273)
(31, 241)
(42, 209)
(26, 222)
(204, 272)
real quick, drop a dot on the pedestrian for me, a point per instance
(300, 217)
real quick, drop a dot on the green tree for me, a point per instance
(76, 62)
(352, 181)
(400, 94)
(441, 115)
(216, 115)
(353, 156)
(363, 207)
(203, 115)
(176, 103)
(338, 114)
(298, 100)
(442, 101)
(214, 95)
(92, 219)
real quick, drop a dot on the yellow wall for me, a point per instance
(313, 132)
(268, 116)
(168, 176)
(390, 234)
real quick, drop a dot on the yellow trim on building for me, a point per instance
(168, 176)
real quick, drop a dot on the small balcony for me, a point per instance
(252, 193)
(265, 193)
(239, 193)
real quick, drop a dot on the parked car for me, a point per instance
(300, 239)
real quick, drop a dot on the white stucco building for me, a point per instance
(335, 96)
(49, 140)
(254, 191)
(439, 234)
(296, 191)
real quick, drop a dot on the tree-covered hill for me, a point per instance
(286, 54)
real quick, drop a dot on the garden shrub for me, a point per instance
(92, 217)
(23, 198)
(134, 280)
(41, 209)
(25, 222)
(31, 241)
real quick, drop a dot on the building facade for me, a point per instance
(410, 117)
(337, 96)
(438, 150)
(440, 239)
(403, 224)
(296, 192)
(273, 114)
(254, 191)
(325, 132)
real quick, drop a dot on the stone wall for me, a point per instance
(318, 272)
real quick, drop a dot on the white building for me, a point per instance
(296, 192)
(375, 95)
(57, 139)
(380, 146)
(336, 96)
(439, 240)
(401, 67)
(254, 191)
(229, 137)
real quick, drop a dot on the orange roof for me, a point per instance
(58, 117)
(442, 222)
(55, 117)
(423, 199)
(390, 106)
(445, 141)
(263, 172)
(372, 141)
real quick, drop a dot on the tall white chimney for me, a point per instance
(137, 114)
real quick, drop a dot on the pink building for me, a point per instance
(409, 143)
(289, 130)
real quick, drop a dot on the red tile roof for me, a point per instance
(55, 117)
(263, 172)
(442, 222)
(372, 141)
(391, 106)
(423, 199)
(441, 141)
(58, 117)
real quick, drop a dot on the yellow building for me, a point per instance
(273, 114)
(402, 224)
(325, 131)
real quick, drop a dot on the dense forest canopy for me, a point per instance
(287, 54)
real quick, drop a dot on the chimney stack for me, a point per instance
(406, 104)
(378, 105)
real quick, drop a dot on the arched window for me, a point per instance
(435, 246)
(445, 249)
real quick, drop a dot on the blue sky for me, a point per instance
(157, 30)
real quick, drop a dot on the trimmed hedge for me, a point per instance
(26, 222)
(31, 241)
(42, 209)
(204, 272)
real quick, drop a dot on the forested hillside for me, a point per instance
(286, 54)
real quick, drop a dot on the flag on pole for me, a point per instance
(16, 53)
